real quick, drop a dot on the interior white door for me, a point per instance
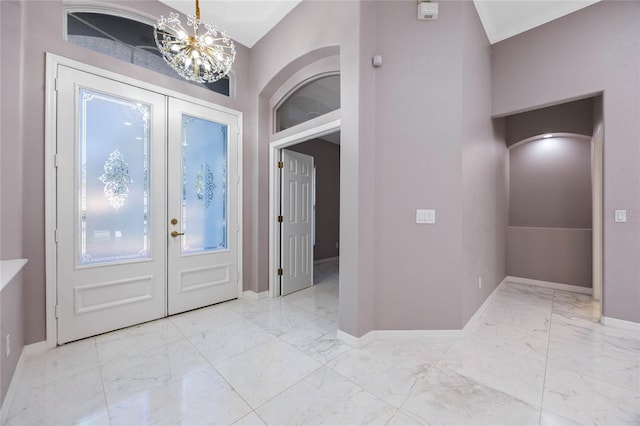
(202, 203)
(296, 226)
(111, 251)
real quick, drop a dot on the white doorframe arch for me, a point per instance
(318, 127)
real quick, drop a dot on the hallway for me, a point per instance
(537, 357)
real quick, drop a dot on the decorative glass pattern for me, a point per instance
(113, 179)
(116, 179)
(204, 185)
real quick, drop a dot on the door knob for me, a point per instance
(174, 221)
(175, 234)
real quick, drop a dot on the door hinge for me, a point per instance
(55, 236)
(280, 272)
(57, 311)
(56, 160)
(280, 219)
(280, 165)
(56, 84)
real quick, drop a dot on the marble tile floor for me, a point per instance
(537, 357)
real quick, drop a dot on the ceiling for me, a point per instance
(247, 21)
(505, 18)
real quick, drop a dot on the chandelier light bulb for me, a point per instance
(203, 58)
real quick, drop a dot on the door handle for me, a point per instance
(175, 234)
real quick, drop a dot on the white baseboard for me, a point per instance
(37, 348)
(358, 342)
(11, 390)
(622, 324)
(551, 285)
(252, 295)
(327, 260)
(474, 321)
(354, 342)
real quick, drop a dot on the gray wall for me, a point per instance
(550, 210)
(47, 17)
(341, 32)
(435, 149)
(590, 51)
(550, 183)
(570, 117)
(12, 323)
(559, 255)
(402, 149)
(326, 157)
(485, 165)
(11, 131)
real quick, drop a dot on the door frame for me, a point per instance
(52, 63)
(318, 127)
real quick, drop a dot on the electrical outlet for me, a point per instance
(7, 346)
(479, 282)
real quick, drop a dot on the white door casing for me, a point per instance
(202, 272)
(296, 226)
(96, 297)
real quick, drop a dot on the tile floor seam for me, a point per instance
(363, 388)
(104, 390)
(284, 390)
(546, 358)
(225, 379)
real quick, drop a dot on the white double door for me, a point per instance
(147, 205)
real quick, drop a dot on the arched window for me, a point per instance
(125, 39)
(312, 99)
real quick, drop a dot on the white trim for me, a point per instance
(9, 269)
(555, 135)
(550, 228)
(52, 63)
(474, 321)
(27, 351)
(327, 260)
(106, 8)
(274, 194)
(50, 201)
(36, 348)
(551, 285)
(621, 324)
(355, 342)
(11, 390)
(252, 295)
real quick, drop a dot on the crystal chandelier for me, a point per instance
(203, 58)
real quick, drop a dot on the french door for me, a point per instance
(147, 196)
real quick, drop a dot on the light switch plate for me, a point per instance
(620, 215)
(425, 216)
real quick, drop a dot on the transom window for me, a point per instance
(312, 99)
(125, 39)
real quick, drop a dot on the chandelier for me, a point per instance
(203, 57)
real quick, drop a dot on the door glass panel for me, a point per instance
(204, 185)
(114, 179)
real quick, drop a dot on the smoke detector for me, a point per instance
(427, 11)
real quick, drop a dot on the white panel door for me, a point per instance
(111, 224)
(296, 229)
(202, 204)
